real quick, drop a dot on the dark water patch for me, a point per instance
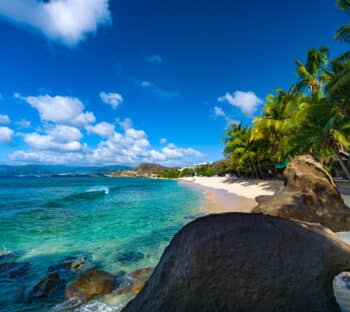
(88, 195)
(129, 257)
(13, 271)
(51, 204)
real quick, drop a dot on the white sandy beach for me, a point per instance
(244, 192)
(244, 188)
(231, 195)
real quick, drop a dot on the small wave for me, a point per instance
(99, 189)
(89, 194)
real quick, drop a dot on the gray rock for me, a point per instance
(310, 194)
(246, 262)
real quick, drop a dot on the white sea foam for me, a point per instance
(104, 189)
(97, 306)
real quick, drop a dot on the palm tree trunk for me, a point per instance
(342, 165)
(259, 169)
(254, 169)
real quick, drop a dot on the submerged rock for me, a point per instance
(74, 264)
(309, 194)
(13, 270)
(134, 282)
(90, 285)
(46, 287)
(246, 262)
(54, 283)
(130, 257)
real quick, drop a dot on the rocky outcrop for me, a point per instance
(246, 262)
(46, 287)
(91, 285)
(309, 194)
(134, 282)
(54, 283)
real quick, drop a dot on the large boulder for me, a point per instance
(91, 285)
(246, 262)
(309, 194)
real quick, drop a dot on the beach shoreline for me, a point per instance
(224, 194)
(230, 195)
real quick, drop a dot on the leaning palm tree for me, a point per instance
(323, 130)
(343, 32)
(312, 74)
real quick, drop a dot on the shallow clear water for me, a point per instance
(48, 219)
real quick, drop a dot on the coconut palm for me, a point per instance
(323, 131)
(241, 149)
(312, 74)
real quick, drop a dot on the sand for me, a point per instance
(238, 195)
(231, 195)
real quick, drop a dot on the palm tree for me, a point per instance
(274, 124)
(323, 130)
(312, 74)
(241, 149)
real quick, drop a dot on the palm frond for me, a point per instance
(343, 34)
(344, 5)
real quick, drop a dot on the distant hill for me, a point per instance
(48, 171)
(148, 169)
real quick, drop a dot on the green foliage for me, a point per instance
(169, 173)
(313, 116)
(187, 172)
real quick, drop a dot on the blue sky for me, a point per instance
(96, 82)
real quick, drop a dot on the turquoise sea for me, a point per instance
(117, 223)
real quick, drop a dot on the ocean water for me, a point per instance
(119, 224)
(44, 220)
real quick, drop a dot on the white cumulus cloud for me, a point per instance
(172, 151)
(247, 102)
(112, 99)
(219, 112)
(49, 143)
(103, 129)
(60, 109)
(124, 124)
(6, 135)
(4, 119)
(66, 21)
(163, 141)
(63, 134)
(130, 147)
